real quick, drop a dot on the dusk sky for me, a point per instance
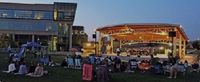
(97, 13)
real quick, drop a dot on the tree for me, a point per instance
(79, 39)
(6, 40)
(196, 44)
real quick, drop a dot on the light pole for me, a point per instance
(94, 36)
(172, 34)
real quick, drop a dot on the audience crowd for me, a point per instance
(103, 66)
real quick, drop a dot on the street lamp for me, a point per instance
(172, 34)
(94, 36)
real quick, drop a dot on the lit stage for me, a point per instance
(123, 36)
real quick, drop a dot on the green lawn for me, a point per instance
(60, 74)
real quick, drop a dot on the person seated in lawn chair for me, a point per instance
(92, 59)
(99, 59)
(70, 61)
(109, 63)
(166, 67)
(133, 64)
(173, 71)
(157, 68)
(181, 68)
(144, 66)
(78, 60)
(195, 68)
(176, 68)
(117, 64)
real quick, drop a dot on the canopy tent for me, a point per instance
(22, 50)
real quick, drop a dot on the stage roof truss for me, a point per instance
(156, 31)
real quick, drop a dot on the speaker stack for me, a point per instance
(172, 34)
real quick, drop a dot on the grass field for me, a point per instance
(60, 74)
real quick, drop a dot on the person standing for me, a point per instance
(102, 72)
(118, 51)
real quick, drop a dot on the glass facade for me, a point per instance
(52, 21)
(25, 25)
(63, 29)
(26, 14)
(64, 12)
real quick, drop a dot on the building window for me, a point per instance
(61, 16)
(31, 25)
(23, 14)
(63, 29)
(6, 13)
(48, 15)
(26, 14)
(38, 15)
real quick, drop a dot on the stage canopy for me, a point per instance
(143, 31)
(147, 33)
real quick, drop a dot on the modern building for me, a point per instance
(79, 37)
(48, 24)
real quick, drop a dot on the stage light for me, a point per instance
(170, 44)
(140, 37)
(161, 48)
(163, 33)
(169, 50)
(129, 43)
(88, 44)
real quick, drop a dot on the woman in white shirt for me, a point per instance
(11, 68)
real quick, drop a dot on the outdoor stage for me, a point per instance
(153, 39)
(126, 58)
